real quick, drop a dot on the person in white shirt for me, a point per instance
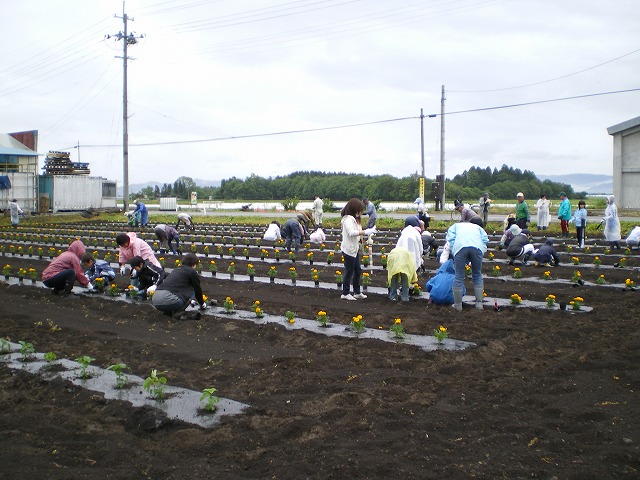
(316, 209)
(405, 259)
(543, 205)
(350, 247)
(273, 233)
(634, 238)
(15, 211)
(468, 243)
(185, 219)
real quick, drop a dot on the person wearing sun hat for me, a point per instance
(564, 214)
(522, 212)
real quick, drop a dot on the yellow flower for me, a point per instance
(257, 302)
(442, 329)
(204, 297)
(397, 321)
(322, 313)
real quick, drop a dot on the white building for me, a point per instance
(626, 163)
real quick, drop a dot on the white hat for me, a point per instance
(520, 194)
(418, 200)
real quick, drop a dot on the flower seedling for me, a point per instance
(516, 299)
(622, 262)
(232, 252)
(366, 279)
(232, 268)
(5, 346)
(272, 272)
(597, 262)
(600, 280)
(366, 260)
(255, 305)
(118, 369)
(396, 328)
(491, 255)
(245, 252)
(576, 303)
(627, 251)
(416, 290)
(322, 318)
(575, 260)
(629, 283)
(577, 276)
(551, 300)
(339, 277)
(251, 271)
(310, 257)
(50, 357)
(441, 333)
(194, 249)
(258, 312)
(33, 274)
(467, 270)
(517, 273)
(228, 305)
(132, 291)
(290, 316)
(84, 362)
(293, 273)
(209, 399)
(264, 254)
(27, 350)
(213, 267)
(357, 323)
(322, 247)
(330, 256)
(276, 254)
(496, 272)
(315, 276)
(113, 290)
(292, 256)
(587, 249)
(6, 270)
(155, 384)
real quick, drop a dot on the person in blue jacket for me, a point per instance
(141, 210)
(97, 268)
(440, 285)
(579, 219)
(564, 214)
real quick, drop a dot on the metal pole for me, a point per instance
(125, 130)
(422, 146)
(442, 148)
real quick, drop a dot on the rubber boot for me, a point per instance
(457, 298)
(479, 292)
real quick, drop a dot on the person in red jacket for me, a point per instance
(65, 269)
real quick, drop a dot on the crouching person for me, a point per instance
(440, 286)
(179, 288)
(65, 269)
(145, 276)
(97, 269)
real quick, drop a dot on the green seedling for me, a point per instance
(5, 346)
(155, 384)
(26, 350)
(84, 362)
(118, 369)
(50, 357)
(209, 399)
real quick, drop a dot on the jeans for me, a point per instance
(352, 271)
(61, 280)
(466, 255)
(393, 287)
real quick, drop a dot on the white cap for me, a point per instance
(520, 194)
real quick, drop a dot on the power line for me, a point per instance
(362, 124)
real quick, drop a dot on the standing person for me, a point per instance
(350, 247)
(179, 288)
(65, 269)
(485, 204)
(318, 204)
(634, 238)
(131, 246)
(15, 211)
(423, 213)
(468, 243)
(543, 205)
(564, 214)
(522, 212)
(579, 219)
(405, 259)
(141, 212)
(370, 210)
(166, 235)
(186, 220)
(611, 223)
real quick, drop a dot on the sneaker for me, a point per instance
(359, 296)
(347, 297)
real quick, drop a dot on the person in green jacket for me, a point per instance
(564, 214)
(522, 212)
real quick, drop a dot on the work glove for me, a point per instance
(151, 290)
(370, 231)
(203, 306)
(370, 240)
(90, 286)
(123, 270)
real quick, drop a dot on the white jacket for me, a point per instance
(350, 236)
(411, 240)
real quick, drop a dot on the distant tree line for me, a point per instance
(470, 185)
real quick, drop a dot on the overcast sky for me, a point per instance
(206, 71)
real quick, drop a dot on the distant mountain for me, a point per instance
(136, 187)
(584, 182)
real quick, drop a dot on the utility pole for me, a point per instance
(422, 179)
(127, 39)
(442, 174)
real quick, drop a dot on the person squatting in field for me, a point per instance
(65, 269)
(131, 246)
(181, 286)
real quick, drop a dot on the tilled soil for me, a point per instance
(544, 394)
